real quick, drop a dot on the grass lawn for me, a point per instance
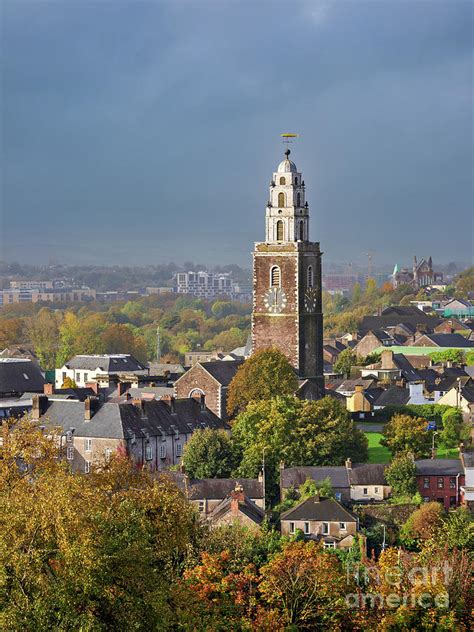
(377, 453)
(380, 454)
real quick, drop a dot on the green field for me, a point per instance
(377, 453)
(380, 454)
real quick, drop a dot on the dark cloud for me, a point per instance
(148, 131)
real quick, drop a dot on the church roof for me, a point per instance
(287, 165)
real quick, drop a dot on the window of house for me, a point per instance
(452, 501)
(275, 277)
(452, 483)
(325, 527)
(87, 467)
(163, 451)
(280, 232)
(78, 377)
(86, 377)
(64, 376)
(202, 506)
(365, 491)
(108, 453)
(307, 529)
(281, 199)
(342, 526)
(426, 483)
(440, 482)
(282, 180)
(329, 545)
(70, 454)
(338, 496)
(376, 490)
(68, 436)
(87, 445)
(426, 499)
(310, 276)
(148, 452)
(292, 527)
(179, 449)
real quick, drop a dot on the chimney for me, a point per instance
(236, 496)
(120, 389)
(203, 402)
(94, 386)
(260, 476)
(173, 405)
(40, 403)
(358, 388)
(317, 497)
(90, 406)
(348, 464)
(48, 389)
(387, 359)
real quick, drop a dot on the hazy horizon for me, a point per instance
(144, 133)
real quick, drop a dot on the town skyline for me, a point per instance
(127, 134)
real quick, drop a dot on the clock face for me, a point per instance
(311, 299)
(275, 300)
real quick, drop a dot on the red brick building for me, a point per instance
(440, 480)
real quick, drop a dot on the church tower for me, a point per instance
(287, 304)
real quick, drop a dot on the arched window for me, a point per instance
(280, 235)
(282, 180)
(301, 227)
(281, 199)
(310, 276)
(298, 200)
(275, 276)
(296, 180)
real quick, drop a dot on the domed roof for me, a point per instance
(287, 165)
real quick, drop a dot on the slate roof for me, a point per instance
(296, 476)
(438, 467)
(393, 395)
(448, 340)
(19, 376)
(392, 316)
(319, 509)
(120, 420)
(334, 394)
(246, 506)
(349, 385)
(218, 488)
(372, 394)
(468, 459)
(468, 392)
(367, 474)
(223, 372)
(403, 364)
(160, 369)
(114, 363)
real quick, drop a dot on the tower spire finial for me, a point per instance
(287, 153)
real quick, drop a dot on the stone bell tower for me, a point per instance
(287, 304)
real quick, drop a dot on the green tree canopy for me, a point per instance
(209, 454)
(266, 374)
(345, 361)
(400, 475)
(296, 432)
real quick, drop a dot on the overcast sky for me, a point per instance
(143, 132)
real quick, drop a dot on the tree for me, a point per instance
(405, 434)
(356, 293)
(90, 552)
(296, 432)
(265, 375)
(68, 382)
(400, 475)
(345, 361)
(370, 288)
(423, 523)
(311, 488)
(120, 339)
(209, 454)
(306, 585)
(43, 332)
(11, 332)
(449, 355)
(457, 530)
(454, 429)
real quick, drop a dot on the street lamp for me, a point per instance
(433, 453)
(263, 476)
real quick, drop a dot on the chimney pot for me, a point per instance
(173, 405)
(348, 464)
(48, 389)
(40, 403)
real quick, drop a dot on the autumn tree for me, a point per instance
(209, 454)
(306, 586)
(423, 523)
(120, 339)
(404, 433)
(43, 333)
(345, 361)
(68, 382)
(11, 332)
(89, 552)
(266, 374)
(454, 429)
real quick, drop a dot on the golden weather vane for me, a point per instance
(288, 137)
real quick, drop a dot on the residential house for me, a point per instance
(17, 377)
(104, 369)
(351, 482)
(440, 480)
(211, 379)
(467, 489)
(374, 339)
(153, 433)
(458, 308)
(396, 314)
(444, 341)
(322, 519)
(461, 396)
(207, 493)
(236, 508)
(392, 366)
